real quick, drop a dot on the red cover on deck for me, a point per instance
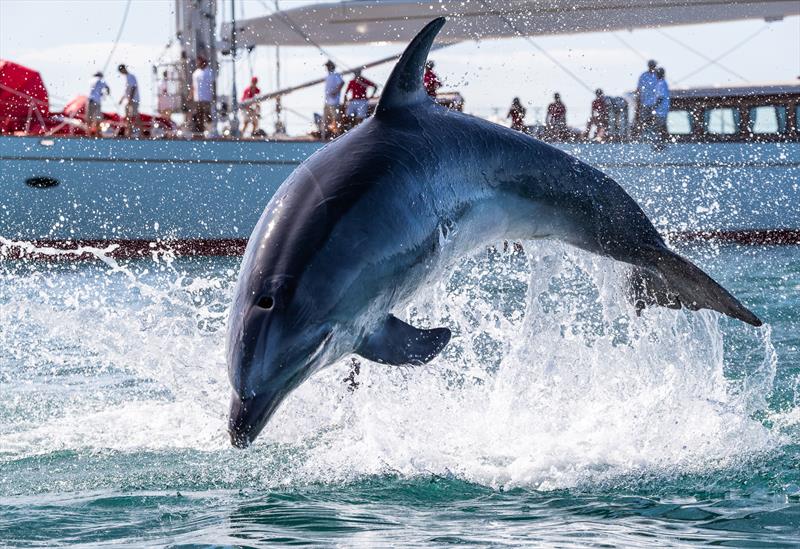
(23, 98)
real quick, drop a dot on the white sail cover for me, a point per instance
(363, 21)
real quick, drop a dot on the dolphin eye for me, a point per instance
(266, 302)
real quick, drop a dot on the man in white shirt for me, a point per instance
(333, 87)
(202, 95)
(94, 112)
(131, 99)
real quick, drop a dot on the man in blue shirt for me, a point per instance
(662, 102)
(646, 98)
(94, 113)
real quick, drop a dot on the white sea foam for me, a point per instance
(557, 386)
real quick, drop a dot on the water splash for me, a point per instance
(551, 381)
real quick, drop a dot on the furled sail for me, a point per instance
(362, 21)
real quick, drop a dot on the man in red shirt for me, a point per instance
(251, 112)
(358, 102)
(599, 117)
(556, 121)
(430, 80)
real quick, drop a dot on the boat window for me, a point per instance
(768, 119)
(679, 122)
(797, 118)
(722, 121)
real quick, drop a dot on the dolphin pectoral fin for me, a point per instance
(674, 282)
(398, 343)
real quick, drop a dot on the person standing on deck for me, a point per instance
(662, 103)
(131, 99)
(430, 80)
(94, 111)
(252, 111)
(330, 115)
(202, 95)
(358, 102)
(599, 116)
(517, 115)
(164, 98)
(646, 97)
(556, 120)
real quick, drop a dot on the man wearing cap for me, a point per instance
(252, 110)
(94, 112)
(131, 99)
(330, 116)
(646, 98)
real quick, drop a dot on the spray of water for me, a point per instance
(551, 380)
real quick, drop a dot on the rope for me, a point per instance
(18, 93)
(119, 35)
(725, 54)
(541, 50)
(296, 28)
(704, 56)
(297, 113)
(634, 50)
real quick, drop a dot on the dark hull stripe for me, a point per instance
(755, 237)
(126, 249)
(277, 162)
(147, 161)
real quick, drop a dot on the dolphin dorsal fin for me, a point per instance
(404, 86)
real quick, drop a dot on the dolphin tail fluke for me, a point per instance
(674, 282)
(404, 86)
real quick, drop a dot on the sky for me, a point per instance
(68, 40)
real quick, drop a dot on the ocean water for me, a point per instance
(555, 418)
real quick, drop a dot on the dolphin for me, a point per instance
(364, 222)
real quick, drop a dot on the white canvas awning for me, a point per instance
(365, 21)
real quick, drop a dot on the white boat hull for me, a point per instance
(206, 196)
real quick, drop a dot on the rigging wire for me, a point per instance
(627, 45)
(297, 113)
(725, 53)
(249, 50)
(701, 54)
(119, 35)
(543, 51)
(297, 30)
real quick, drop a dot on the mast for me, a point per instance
(234, 95)
(280, 128)
(195, 29)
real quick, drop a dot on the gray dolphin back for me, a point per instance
(605, 220)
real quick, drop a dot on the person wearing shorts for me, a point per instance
(252, 112)
(131, 99)
(202, 96)
(94, 111)
(330, 114)
(357, 106)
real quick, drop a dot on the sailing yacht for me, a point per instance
(730, 169)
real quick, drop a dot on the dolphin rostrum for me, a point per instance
(361, 224)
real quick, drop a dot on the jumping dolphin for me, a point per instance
(361, 224)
